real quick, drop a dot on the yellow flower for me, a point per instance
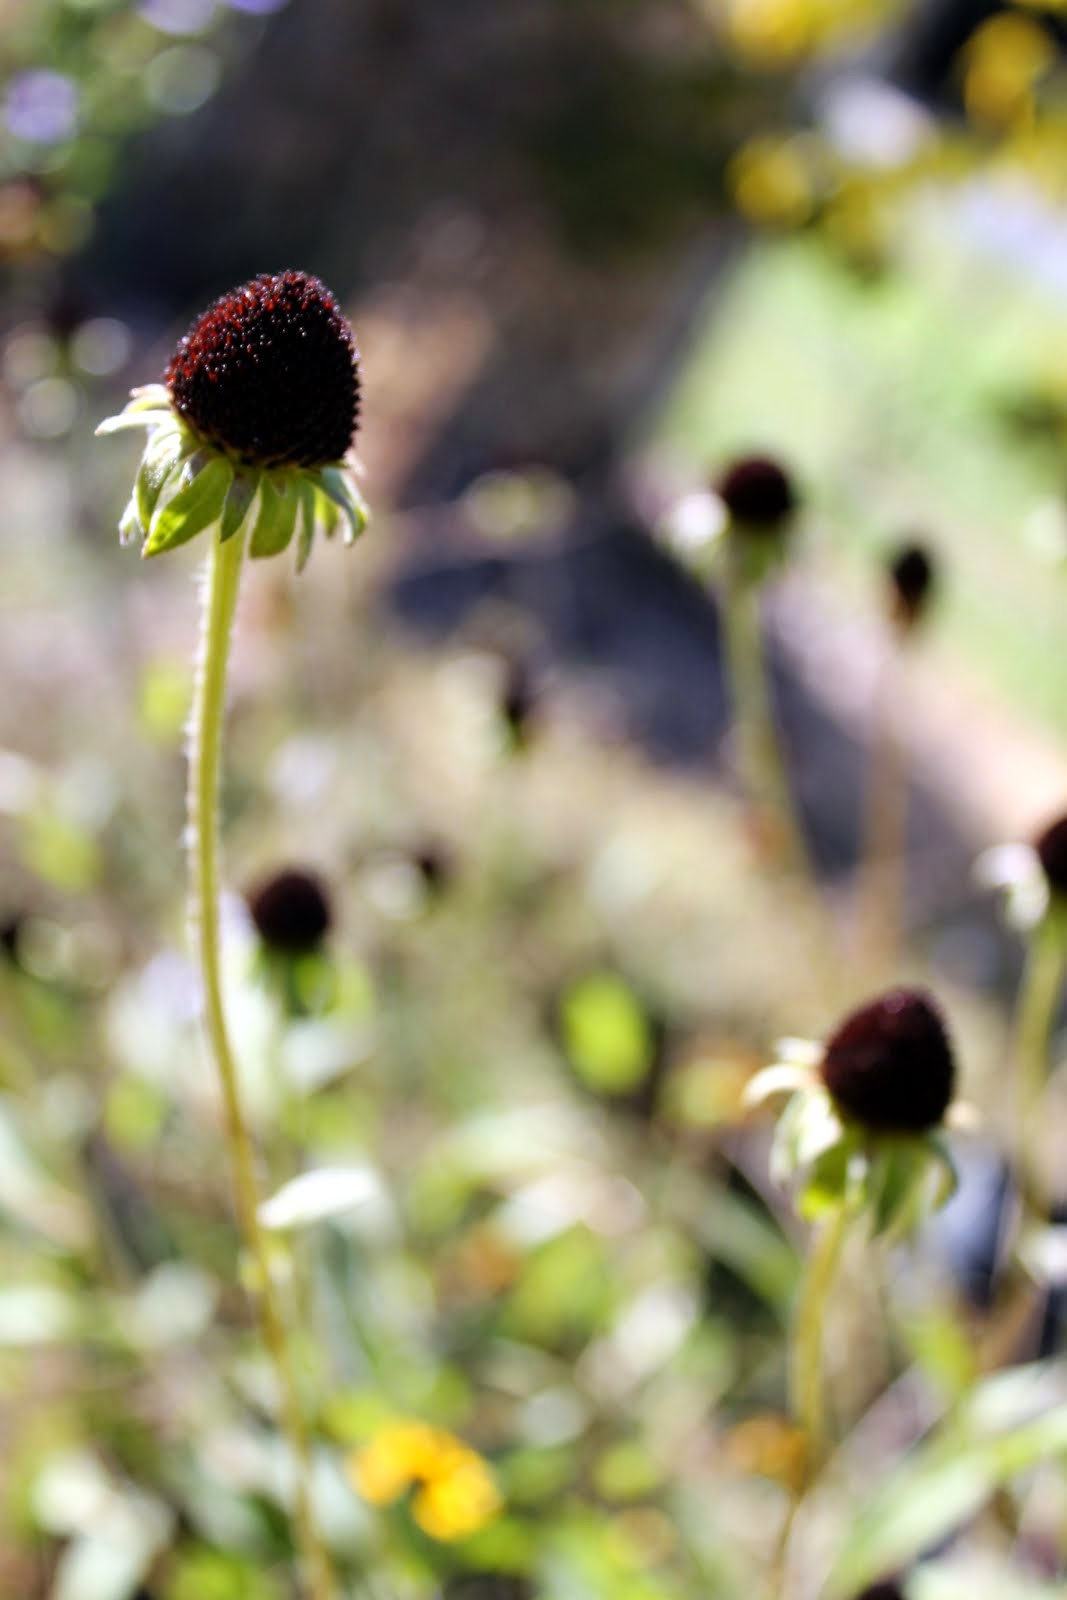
(454, 1495)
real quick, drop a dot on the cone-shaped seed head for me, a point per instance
(1051, 847)
(291, 912)
(889, 1065)
(270, 373)
(912, 578)
(757, 492)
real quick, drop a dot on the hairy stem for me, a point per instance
(808, 1389)
(220, 598)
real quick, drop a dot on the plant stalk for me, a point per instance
(762, 771)
(882, 876)
(807, 1385)
(219, 602)
(1042, 982)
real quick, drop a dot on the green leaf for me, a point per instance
(606, 1034)
(946, 1481)
(195, 506)
(273, 527)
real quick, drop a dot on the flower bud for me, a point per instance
(889, 1065)
(912, 576)
(291, 912)
(269, 374)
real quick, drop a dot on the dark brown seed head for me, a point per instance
(270, 373)
(1051, 847)
(757, 492)
(889, 1065)
(886, 1590)
(912, 580)
(291, 912)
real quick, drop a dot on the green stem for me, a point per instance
(220, 599)
(882, 876)
(1041, 985)
(808, 1390)
(762, 771)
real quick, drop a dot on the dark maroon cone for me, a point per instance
(757, 491)
(291, 912)
(889, 1065)
(887, 1590)
(1051, 847)
(270, 373)
(912, 579)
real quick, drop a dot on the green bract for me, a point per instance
(185, 486)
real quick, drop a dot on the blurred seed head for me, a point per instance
(1051, 849)
(269, 372)
(889, 1064)
(758, 493)
(912, 574)
(291, 912)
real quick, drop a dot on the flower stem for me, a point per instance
(1041, 985)
(808, 1390)
(883, 872)
(220, 598)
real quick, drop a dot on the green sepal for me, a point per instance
(830, 1181)
(346, 497)
(162, 455)
(130, 522)
(273, 527)
(305, 524)
(195, 506)
(239, 498)
(147, 417)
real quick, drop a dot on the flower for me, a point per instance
(912, 578)
(291, 912)
(455, 1495)
(866, 1111)
(251, 429)
(889, 1064)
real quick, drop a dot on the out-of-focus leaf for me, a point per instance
(606, 1034)
(944, 1482)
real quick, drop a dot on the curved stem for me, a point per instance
(1041, 985)
(808, 1390)
(219, 601)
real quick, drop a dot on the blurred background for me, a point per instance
(592, 250)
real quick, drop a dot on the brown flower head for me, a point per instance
(757, 492)
(912, 577)
(889, 1065)
(1051, 848)
(269, 372)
